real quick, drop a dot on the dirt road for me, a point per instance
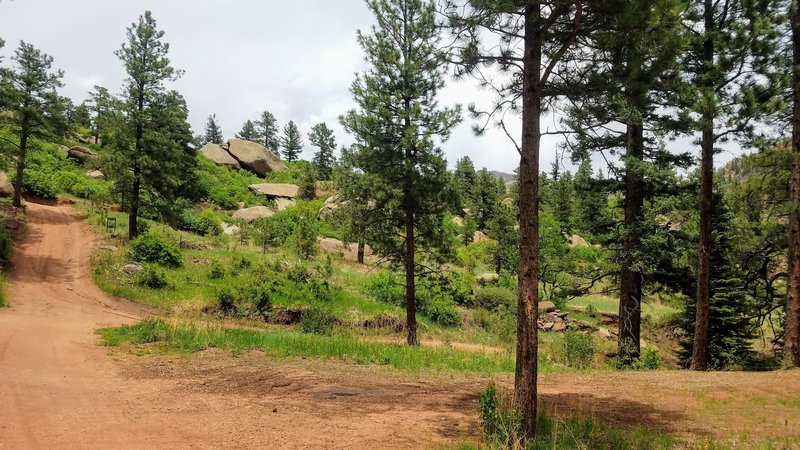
(59, 389)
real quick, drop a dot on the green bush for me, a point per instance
(40, 184)
(317, 321)
(649, 359)
(577, 350)
(442, 312)
(217, 271)
(591, 311)
(153, 248)
(152, 276)
(5, 245)
(494, 298)
(253, 296)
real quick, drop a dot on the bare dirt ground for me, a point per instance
(59, 389)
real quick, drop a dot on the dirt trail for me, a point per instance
(59, 389)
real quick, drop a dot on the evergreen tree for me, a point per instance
(291, 142)
(30, 94)
(631, 59)
(80, 117)
(396, 163)
(590, 199)
(792, 330)
(101, 103)
(502, 227)
(524, 41)
(213, 132)
(249, 132)
(152, 136)
(562, 197)
(322, 137)
(730, 329)
(726, 64)
(487, 193)
(464, 177)
(267, 128)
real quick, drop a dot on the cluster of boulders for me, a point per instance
(242, 154)
(560, 321)
(337, 247)
(81, 154)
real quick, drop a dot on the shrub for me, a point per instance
(649, 359)
(210, 224)
(591, 311)
(443, 313)
(494, 298)
(246, 300)
(5, 244)
(217, 271)
(40, 184)
(152, 276)
(321, 289)
(501, 424)
(433, 299)
(153, 248)
(577, 350)
(317, 321)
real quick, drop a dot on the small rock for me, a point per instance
(487, 278)
(95, 174)
(131, 269)
(547, 306)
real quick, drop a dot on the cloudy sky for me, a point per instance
(293, 58)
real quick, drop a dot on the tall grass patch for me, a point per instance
(190, 338)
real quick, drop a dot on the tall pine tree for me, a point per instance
(291, 142)
(725, 66)
(267, 128)
(152, 135)
(213, 132)
(396, 125)
(322, 137)
(631, 62)
(30, 94)
(249, 132)
(524, 41)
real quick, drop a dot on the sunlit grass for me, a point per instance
(189, 338)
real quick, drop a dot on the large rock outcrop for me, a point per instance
(81, 154)
(349, 252)
(6, 188)
(217, 154)
(328, 208)
(250, 214)
(254, 157)
(276, 190)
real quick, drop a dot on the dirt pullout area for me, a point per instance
(59, 389)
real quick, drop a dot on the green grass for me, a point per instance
(611, 305)
(188, 338)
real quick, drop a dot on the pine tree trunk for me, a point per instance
(411, 288)
(792, 334)
(630, 300)
(703, 302)
(360, 255)
(23, 150)
(133, 216)
(525, 395)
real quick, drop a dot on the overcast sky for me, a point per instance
(296, 59)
